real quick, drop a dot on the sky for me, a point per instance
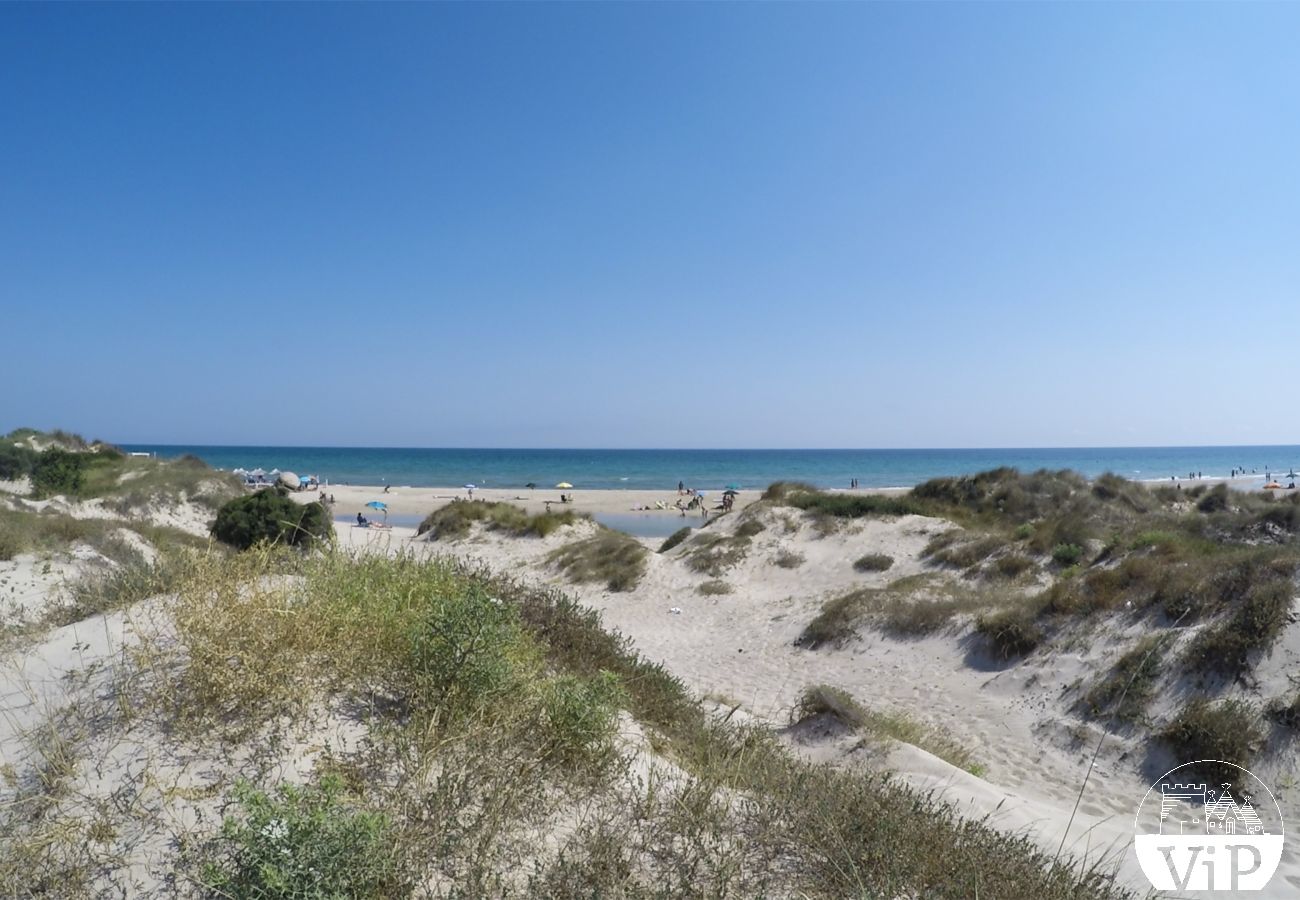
(651, 225)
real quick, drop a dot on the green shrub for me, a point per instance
(851, 506)
(1215, 499)
(304, 843)
(749, 528)
(1011, 633)
(675, 538)
(271, 516)
(57, 471)
(465, 652)
(1067, 554)
(15, 461)
(714, 587)
(581, 714)
(11, 541)
(1227, 730)
(873, 562)
(1023, 532)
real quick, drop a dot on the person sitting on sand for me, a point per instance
(362, 521)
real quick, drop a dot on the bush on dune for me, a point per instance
(617, 559)
(675, 538)
(457, 518)
(58, 471)
(1227, 730)
(16, 461)
(271, 516)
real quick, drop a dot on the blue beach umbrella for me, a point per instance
(733, 487)
(379, 505)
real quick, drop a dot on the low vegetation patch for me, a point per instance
(714, 587)
(675, 538)
(1125, 691)
(909, 607)
(788, 559)
(873, 562)
(948, 550)
(713, 554)
(844, 506)
(612, 557)
(456, 518)
(1011, 565)
(1227, 730)
(304, 842)
(825, 700)
(1011, 632)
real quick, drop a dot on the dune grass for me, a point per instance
(873, 562)
(675, 538)
(823, 699)
(912, 606)
(1227, 730)
(612, 557)
(1125, 691)
(455, 520)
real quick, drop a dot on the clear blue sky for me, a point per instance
(651, 225)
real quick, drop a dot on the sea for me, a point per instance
(717, 469)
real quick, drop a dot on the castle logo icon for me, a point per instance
(1191, 835)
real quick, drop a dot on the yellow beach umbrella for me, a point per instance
(563, 485)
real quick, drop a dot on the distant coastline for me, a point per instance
(715, 469)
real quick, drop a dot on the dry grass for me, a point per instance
(825, 700)
(714, 587)
(873, 562)
(788, 559)
(612, 557)
(457, 518)
(908, 607)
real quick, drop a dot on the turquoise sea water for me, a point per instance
(714, 469)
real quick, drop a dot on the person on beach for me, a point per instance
(361, 520)
(681, 486)
(385, 489)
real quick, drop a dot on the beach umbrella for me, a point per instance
(733, 487)
(470, 487)
(531, 485)
(729, 491)
(377, 504)
(275, 472)
(564, 485)
(257, 472)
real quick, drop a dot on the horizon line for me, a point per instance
(710, 449)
